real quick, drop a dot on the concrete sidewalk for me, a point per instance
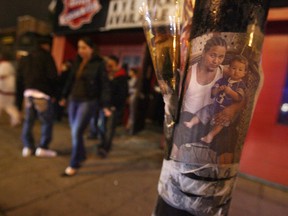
(124, 184)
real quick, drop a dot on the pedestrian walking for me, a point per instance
(87, 86)
(8, 89)
(119, 93)
(39, 75)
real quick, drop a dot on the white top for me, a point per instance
(132, 85)
(35, 94)
(197, 95)
(7, 77)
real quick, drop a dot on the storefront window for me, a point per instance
(283, 114)
(132, 60)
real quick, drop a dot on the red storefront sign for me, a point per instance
(76, 13)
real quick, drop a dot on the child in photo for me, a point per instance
(225, 91)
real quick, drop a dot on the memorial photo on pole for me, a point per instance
(206, 56)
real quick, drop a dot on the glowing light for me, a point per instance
(284, 107)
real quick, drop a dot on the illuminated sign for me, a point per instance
(126, 14)
(123, 14)
(76, 13)
(103, 14)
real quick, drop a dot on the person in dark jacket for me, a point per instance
(119, 94)
(38, 73)
(87, 86)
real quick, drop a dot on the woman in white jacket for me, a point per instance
(8, 90)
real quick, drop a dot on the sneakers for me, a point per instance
(40, 152)
(102, 153)
(69, 172)
(26, 152)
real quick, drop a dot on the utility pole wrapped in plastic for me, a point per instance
(206, 56)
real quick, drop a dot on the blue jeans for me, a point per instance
(43, 109)
(80, 113)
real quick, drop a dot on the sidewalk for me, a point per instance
(124, 184)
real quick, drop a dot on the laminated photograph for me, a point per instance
(206, 56)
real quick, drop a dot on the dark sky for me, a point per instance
(11, 9)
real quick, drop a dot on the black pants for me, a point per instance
(111, 123)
